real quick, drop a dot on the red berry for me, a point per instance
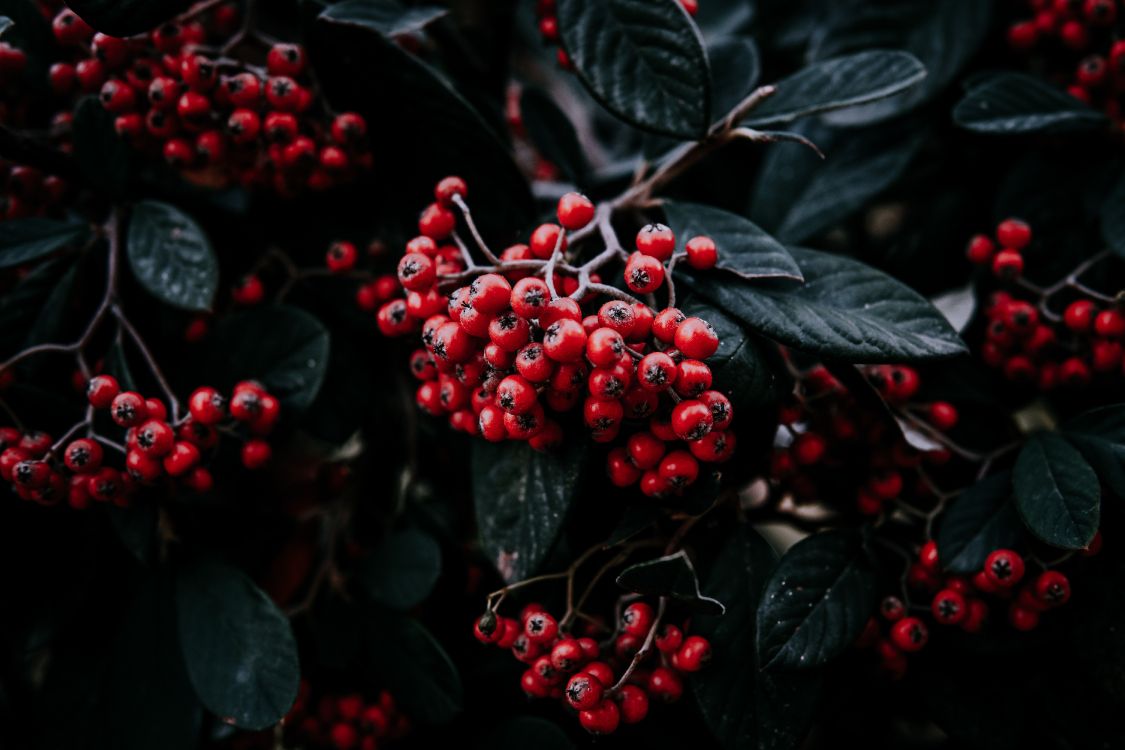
(1007, 264)
(101, 390)
(633, 703)
(701, 253)
(1079, 315)
(696, 338)
(255, 453)
(206, 405)
(540, 627)
(637, 618)
(1013, 234)
(416, 272)
(909, 634)
(564, 340)
(657, 241)
(155, 438)
(1052, 588)
(980, 249)
(656, 372)
(544, 240)
(602, 719)
(286, 60)
(128, 409)
(665, 685)
(943, 415)
(341, 257)
(644, 274)
(584, 691)
(183, 457)
(1004, 568)
(575, 211)
(691, 419)
(928, 556)
(694, 654)
(949, 607)
(1110, 324)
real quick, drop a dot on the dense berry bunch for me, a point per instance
(608, 683)
(216, 119)
(547, 13)
(831, 444)
(509, 351)
(154, 446)
(965, 602)
(333, 721)
(1064, 335)
(1079, 42)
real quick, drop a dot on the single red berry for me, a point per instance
(530, 298)
(1079, 315)
(665, 685)
(701, 253)
(541, 627)
(1022, 618)
(604, 347)
(286, 60)
(128, 409)
(909, 634)
(1013, 234)
(155, 438)
(341, 257)
(490, 293)
(575, 211)
(656, 372)
(1004, 568)
(691, 419)
(101, 390)
(564, 340)
(1110, 324)
(602, 719)
(943, 415)
(633, 704)
(657, 241)
(809, 448)
(1052, 588)
(1007, 265)
(255, 453)
(437, 222)
(349, 128)
(928, 556)
(644, 274)
(83, 456)
(621, 471)
(949, 607)
(694, 654)
(544, 240)
(637, 618)
(449, 187)
(206, 405)
(722, 411)
(183, 457)
(584, 692)
(696, 338)
(980, 249)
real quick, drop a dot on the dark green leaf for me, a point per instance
(171, 256)
(238, 647)
(149, 697)
(643, 60)
(857, 167)
(20, 306)
(816, 602)
(1113, 219)
(738, 368)
(672, 576)
(103, 156)
(23, 240)
(744, 249)
(285, 348)
(979, 521)
(745, 706)
(523, 732)
(50, 325)
(127, 17)
(735, 67)
(1100, 435)
(1057, 492)
(1021, 103)
(634, 520)
(838, 83)
(5, 24)
(414, 667)
(845, 310)
(403, 569)
(522, 497)
(136, 528)
(553, 134)
(30, 32)
(388, 17)
(942, 34)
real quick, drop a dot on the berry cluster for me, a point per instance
(347, 721)
(607, 684)
(27, 191)
(503, 349)
(959, 601)
(216, 119)
(1031, 343)
(547, 13)
(45, 471)
(830, 444)
(1079, 42)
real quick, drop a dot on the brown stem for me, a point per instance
(646, 647)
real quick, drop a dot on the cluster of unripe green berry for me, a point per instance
(604, 683)
(154, 447)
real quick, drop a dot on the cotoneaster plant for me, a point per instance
(561, 374)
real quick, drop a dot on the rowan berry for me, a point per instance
(575, 211)
(530, 298)
(541, 628)
(341, 257)
(101, 390)
(1052, 588)
(1013, 234)
(637, 618)
(584, 691)
(714, 447)
(564, 340)
(1007, 264)
(206, 405)
(644, 274)
(665, 685)
(182, 458)
(1110, 324)
(1004, 568)
(656, 240)
(255, 453)
(694, 654)
(980, 249)
(621, 471)
(602, 719)
(909, 634)
(949, 607)
(545, 239)
(128, 409)
(701, 253)
(633, 704)
(691, 419)
(696, 338)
